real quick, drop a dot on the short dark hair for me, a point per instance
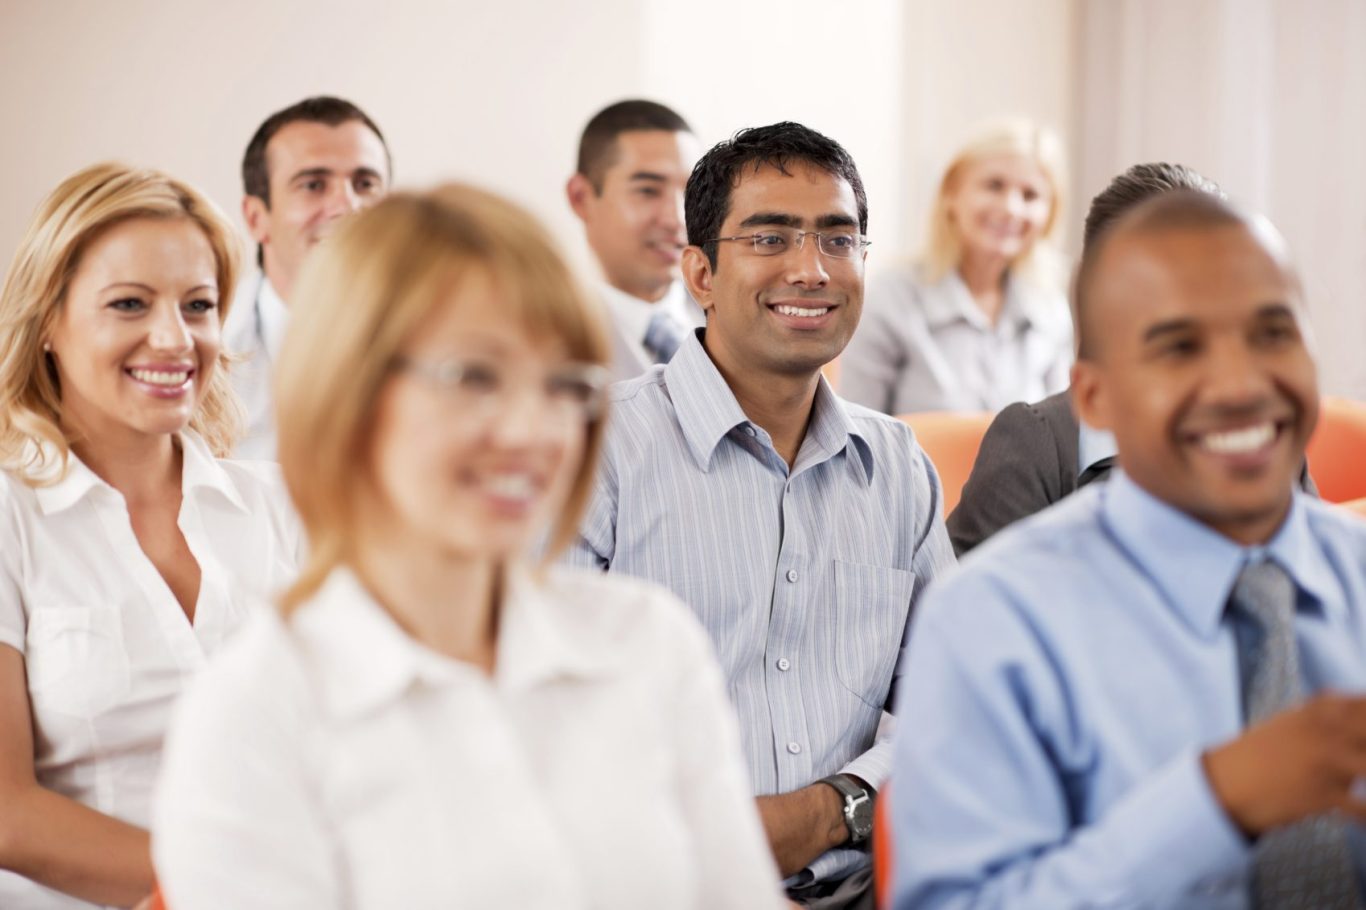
(323, 109)
(1168, 211)
(598, 144)
(1138, 183)
(706, 201)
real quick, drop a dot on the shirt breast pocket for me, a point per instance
(76, 661)
(872, 603)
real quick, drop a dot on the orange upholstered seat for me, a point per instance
(1337, 451)
(882, 848)
(951, 440)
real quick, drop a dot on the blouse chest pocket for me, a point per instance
(76, 660)
(872, 605)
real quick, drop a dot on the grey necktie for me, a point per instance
(663, 335)
(1305, 865)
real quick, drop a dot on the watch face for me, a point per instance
(863, 818)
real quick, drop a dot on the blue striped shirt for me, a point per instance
(804, 578)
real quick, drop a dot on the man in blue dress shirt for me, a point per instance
(800, 528)
(1136, 698)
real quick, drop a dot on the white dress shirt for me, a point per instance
(107, 647)
(924, 346)
(330, 761)
(254, 330)
(631, 320)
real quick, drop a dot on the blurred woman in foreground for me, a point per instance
(432, 719)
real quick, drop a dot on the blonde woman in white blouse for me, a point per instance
(435, 718)
(128, 551)
(980, 320)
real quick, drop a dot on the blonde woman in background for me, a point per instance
(981, 320)
(128, 551)
(435, 719)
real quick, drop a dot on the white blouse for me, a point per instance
(107, 647)
(929, 347)
(333, 762)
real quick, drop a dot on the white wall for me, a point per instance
(1268, 98)
(1265, 96)
(493, 92)
(497, 92)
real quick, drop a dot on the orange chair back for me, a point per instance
(1337, 450)
(951, 440)
(882, 848)
(156, 902)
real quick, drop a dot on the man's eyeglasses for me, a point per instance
(482, 388)
(776, 241)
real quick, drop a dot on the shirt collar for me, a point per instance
(200, 470)
(707, 412)
(1093, 446)
(633, 315)
(1195, 567)
(272, 317)
(365, 661)
(952, 302)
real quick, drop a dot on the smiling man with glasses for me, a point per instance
(799, 527)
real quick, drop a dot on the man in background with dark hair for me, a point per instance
(305, 167)
(627, 189)
(799, 527)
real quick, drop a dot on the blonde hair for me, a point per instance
(82, 207)
(360, 297)
(944, 245)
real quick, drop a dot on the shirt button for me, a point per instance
(791, 574)
(750, 431)
(794, 748)
(784, 663)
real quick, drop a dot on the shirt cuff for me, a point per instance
(836, 864)
(1174, 823)
(873, 766)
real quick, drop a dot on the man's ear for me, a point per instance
(256, 214)
(696, 270)
(1090, 402)
(578, 191)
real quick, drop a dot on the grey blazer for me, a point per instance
(1027, 462)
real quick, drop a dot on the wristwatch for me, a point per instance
(858, 806)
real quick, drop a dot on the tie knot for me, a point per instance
(1264, 593)
(663, 335)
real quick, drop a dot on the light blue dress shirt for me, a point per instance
(804, 579)
(1061, 687)
(1092, 446)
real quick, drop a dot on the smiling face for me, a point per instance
(783, 315)
(634, 221)
(318, 173)
(476, 467)
(136, 338)
(1000, 204)
(1201, 368)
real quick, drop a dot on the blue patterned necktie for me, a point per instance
(663, 336)
(1304, 866)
